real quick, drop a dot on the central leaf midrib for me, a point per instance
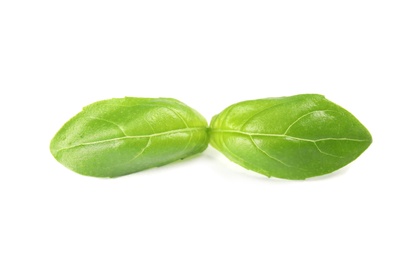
(176, 131)
(289, 136)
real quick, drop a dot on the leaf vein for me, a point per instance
(108, 121)
(292, 137)
(287, 137)
(329, 154)
(263, 110)
(177, 131)
(263, 151)
(142, 151)
(301, 117)
(178, 115)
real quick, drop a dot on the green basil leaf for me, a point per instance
(293, 137)
(115, 137)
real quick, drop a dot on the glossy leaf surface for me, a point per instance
(120, 136)
(293, 137)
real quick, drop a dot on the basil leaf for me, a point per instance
(120, 136)
(293, 137)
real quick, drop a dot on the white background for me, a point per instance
(58, 56)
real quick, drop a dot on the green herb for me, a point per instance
(293, 137)
(120, 136)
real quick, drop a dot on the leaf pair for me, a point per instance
(293, 137)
